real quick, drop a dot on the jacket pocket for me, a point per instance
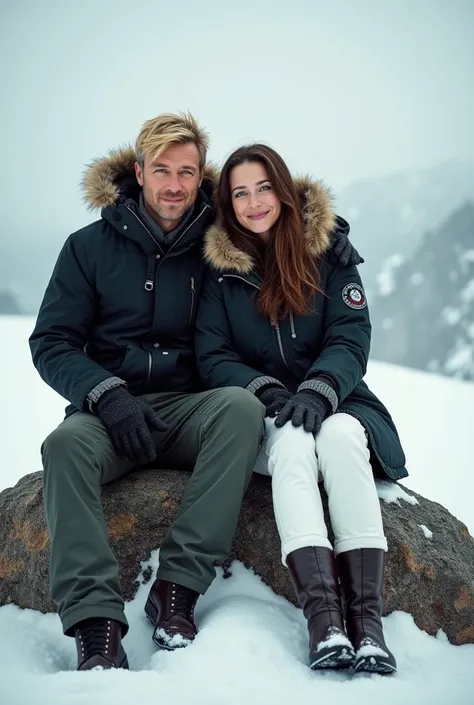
(173, 371)
(135, 367)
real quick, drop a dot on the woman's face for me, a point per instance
(256, 206)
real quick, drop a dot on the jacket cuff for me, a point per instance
(322, 388)
(258, 382)
(104, 386)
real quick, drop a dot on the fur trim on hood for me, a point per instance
(104, 179)
(319, 219)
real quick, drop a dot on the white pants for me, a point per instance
(340, 456)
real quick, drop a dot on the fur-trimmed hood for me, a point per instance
(108, 180)
(319, 218)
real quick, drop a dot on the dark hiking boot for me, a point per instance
(361, 573)
(170, 608)
(312, 571)
(99, 643)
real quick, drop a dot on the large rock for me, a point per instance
(431, 578)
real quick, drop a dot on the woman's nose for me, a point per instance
(254, 201)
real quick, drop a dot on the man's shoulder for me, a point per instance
(91, 235)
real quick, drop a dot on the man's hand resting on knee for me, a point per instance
(129, 423)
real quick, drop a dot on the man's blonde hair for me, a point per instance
(167, 130)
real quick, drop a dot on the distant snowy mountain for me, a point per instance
(388, 215)
(423, 311)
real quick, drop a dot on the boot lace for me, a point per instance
(183, 600)
(94, 637)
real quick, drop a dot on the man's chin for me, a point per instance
(171, 215)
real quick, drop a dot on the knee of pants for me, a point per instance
(238, 406)
(290, 443)
(340, 434)
(64, 443)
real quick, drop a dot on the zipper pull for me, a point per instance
(192, 285)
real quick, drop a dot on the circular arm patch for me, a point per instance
(353, 296)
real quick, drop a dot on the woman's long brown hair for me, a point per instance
(289, 273)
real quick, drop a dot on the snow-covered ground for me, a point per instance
(252, 644)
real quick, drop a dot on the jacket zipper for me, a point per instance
(193, 291)
(144, 226)
(275, 326)
(150, 361)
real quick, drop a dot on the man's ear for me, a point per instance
(139, 173)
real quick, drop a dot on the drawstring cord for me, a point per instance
(292, 326)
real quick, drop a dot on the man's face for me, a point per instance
(170, 183)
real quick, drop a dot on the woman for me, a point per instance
(280, 319)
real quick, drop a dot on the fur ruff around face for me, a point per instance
(104, 177)
(319, 220)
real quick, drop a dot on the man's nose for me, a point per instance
(173, 182)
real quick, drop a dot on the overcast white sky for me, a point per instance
(343, 89)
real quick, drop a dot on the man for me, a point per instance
(114, 336)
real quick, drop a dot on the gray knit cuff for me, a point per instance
(263, 381)
(322, 388)
(104, 386)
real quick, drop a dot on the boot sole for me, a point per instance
(151, 613)
(336, 658)
(123, 664)
(370, 664)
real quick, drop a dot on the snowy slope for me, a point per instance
(252, 644)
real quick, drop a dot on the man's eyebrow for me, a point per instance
(166, 166)
(257, 183)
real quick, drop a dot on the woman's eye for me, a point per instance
(266, 187)
(239, 194)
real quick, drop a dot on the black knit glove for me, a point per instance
(274, 399)
(343, 251)
(129, 423)
(305, 408)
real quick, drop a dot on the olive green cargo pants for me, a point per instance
(218, 433)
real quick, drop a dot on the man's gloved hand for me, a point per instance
(305, 408)
(343, 251)
(274, 399)
(129, 423)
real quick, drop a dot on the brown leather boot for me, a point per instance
(170, 608)
(361, 572)
(312, 571)
(99, 643)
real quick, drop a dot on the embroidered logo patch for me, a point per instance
(353, 296)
